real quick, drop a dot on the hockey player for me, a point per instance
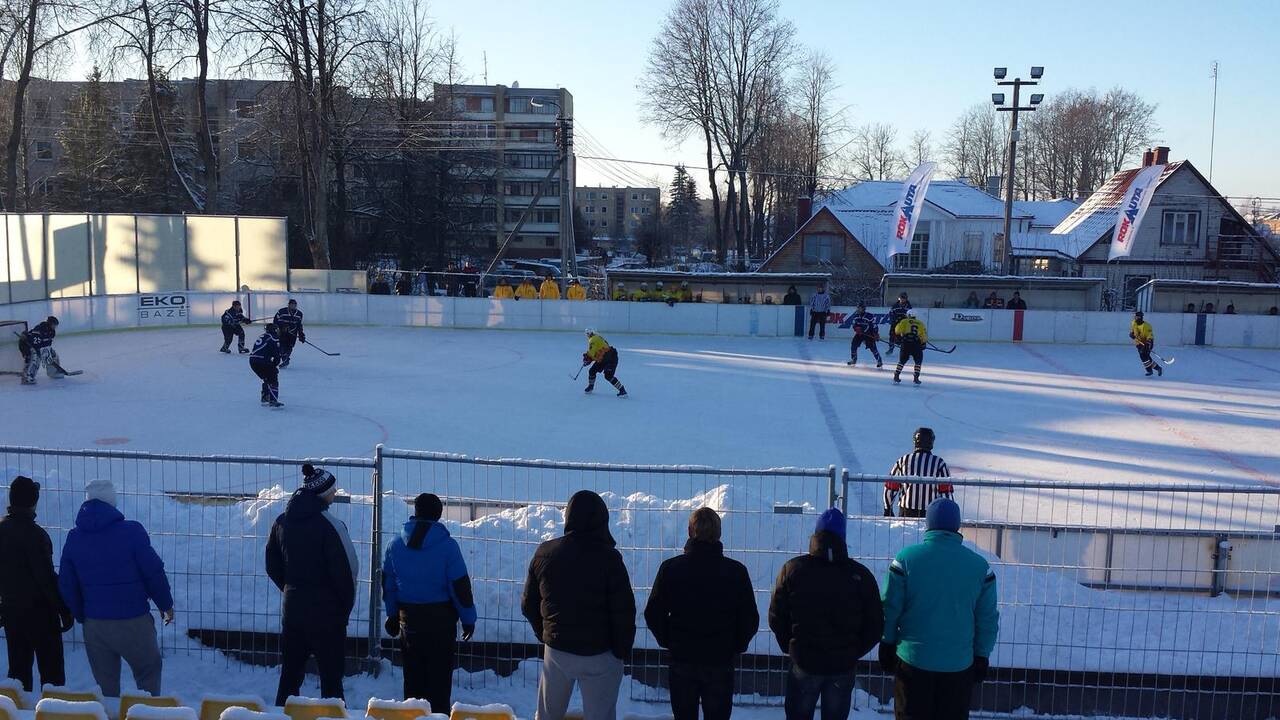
(265, 362)
(603, 359)
(232, 320)
(912, 337)
(1144, 337)
(912, 499)
(36, 345)
(288, 322)
(865, 332)
(896, 313)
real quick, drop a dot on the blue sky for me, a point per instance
(918, 65)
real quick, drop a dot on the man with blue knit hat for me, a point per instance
(826, 614)
(940, 620)
(427, 591)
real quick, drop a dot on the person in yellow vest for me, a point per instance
(575, 290)
(1144, 337)
(526, 291)
(603, 359)
(503, 291)
(912, 338)
(684, 294)
(658, 294)
(641, 295)
(620, 292)
(549, 290)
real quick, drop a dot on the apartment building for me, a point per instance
(521, 125)
(615, 213)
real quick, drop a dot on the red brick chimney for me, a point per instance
(804, 208)
(1148, 158)
(1162, 155)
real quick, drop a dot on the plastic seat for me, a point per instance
(12, 689)
(495, 711)
(236, 712)
(141, 711)
(397, 710)
(128, 700)
(55, 692)
(8, 708)
(212, 706)
(50, 708)
(303, 708)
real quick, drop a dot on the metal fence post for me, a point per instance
(831, 486)
(844, 491)
(375, 568)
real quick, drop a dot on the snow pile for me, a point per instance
(91, 693)
(71, 710)
(398, 708)
(8, 708)
(155, 712)
(492, 711)
(239, 713)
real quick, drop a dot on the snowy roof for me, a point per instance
(1229, 284)
(1097, 215)
(955, 197)
(681, 275)
(1045, 213)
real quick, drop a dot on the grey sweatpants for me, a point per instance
(597, 676)
(106, 642)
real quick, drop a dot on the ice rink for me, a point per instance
(1019, 412)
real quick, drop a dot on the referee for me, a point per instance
(913, 498)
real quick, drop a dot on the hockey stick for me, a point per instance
(1170, 361)
(577, 374)
(55, 365)
(935, 348)
(304, 342)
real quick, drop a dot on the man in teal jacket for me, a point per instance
(940, 620)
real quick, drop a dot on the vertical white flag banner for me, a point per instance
(1132, 208)
(903, 226)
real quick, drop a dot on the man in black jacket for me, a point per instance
(311, 559)
(32, 608)
(578, 600)
(703, 610)
(826, 614)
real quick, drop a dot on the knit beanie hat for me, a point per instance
(317, 481)
(427, 506)
(832, 521)
(101, 490)
(24, 492)
(943, 514)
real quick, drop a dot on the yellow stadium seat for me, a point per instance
(300, 708)
(13, 691)
(485, 712)
(212, 707)
(397, 710)
(58, 709)
(235, 712)
(53, 692)
(142, 711)
(8, 708)
(574, 715)
(128, 700)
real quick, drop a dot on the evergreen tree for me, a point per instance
(142, 173)
(684, 212)
(91, 146)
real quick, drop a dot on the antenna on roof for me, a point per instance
(484, 55)
(1213, 123)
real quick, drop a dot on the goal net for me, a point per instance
(10, 358)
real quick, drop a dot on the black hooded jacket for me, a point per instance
(826, 611)
(702, 607)
(27, 577)
(577, 597)
(309, 557)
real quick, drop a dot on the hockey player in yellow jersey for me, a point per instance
(1144, 338)
(603, 359)
(911, 337)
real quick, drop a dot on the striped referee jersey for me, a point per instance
(918, 495)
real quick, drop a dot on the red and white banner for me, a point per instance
(1132, 208)
(903, 226)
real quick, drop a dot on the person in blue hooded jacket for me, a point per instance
(427, 591)
(108, 575)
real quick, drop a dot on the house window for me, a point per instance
(244, 108)
(42, 108)
(918, 257)
(1180, 228)
(604, 209)
(1040, 264)
(44, 150)
(604, 196)
(591, 209)
(823, 249)
(531, 161)
(644, 211)
(604, 223)
(547, 216)
(973, 246)
(591, 222)
(635, 196)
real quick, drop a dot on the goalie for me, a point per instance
(36, 346)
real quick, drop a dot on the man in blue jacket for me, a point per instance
(426, 590)
(109, 572)
(940, 620)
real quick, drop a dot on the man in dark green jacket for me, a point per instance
(940, 620)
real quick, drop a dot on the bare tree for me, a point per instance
(976, 145)
(920, 148)
(875, 155)
(822, 124)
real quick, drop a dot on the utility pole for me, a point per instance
(564, 143)
(997, 99)
(1213, 123)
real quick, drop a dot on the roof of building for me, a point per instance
(955, 197)
(1045, 213)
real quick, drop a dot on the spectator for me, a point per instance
(526, 290)
(620, 292)
(972, 301)
(31, 607)
(578, 600)
(826, 614)
(703, 610)
(451, 280)
(311, 559)
(404, 286)
(819, 309)
(1274, 310)
(940, 620)
(108, 573)
(549, 289)
(575, 290)
(993, 302)
(1191, 308)
(914, 497)
(1208, 309)
(379, 285)
(792, 297)
(659, 293)
(1016, 302)
(684, 294)
(426, 591)
(1231, 309)
(503, 290)
(641, 295)
(470, 280)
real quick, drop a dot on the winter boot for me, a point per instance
(224, 349)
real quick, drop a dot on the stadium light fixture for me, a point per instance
(1037, 98)
(1037, 72)
(1001, 72)
(997, 98)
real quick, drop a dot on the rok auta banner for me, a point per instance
(903, 226)
(1132, 208)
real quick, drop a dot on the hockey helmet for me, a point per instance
(911, 312)
(52, 321)
(590, 331)
(1137, 315)
(269, 328)
(862, 305)
(658, 284)
(923, 438)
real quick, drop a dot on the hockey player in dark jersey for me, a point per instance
(264, 360)
(288, 322)
(865, 332)
(912, 337)
(232, 320)
(36, 346)
(896, 313)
